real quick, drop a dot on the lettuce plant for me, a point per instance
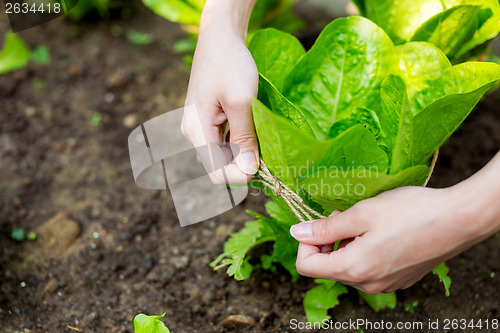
(352, 117)
(462, 29)
(149, 324)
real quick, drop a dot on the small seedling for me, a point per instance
(18, 234)
(149, 324)
(96, 119)
(139, 38)
(41, 55)
(411, 307)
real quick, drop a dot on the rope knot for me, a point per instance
(276, 187)
(292, 199)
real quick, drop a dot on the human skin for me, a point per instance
(223, 81)
(392, 240)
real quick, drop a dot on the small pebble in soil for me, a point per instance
(238, 320)
(51, 286)
(109, 97)
(22, 284)
(58, 234)
(130, 121)
(91, 318)
(180, 261)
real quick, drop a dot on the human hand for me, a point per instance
(388, 242)
(223, 81)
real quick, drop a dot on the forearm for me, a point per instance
(478, 201)
(226, 17)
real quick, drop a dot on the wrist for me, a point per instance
(476, 204)
(227, 17)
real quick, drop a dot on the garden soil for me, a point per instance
(108, 250)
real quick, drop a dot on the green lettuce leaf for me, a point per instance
(320, 299)
(435, 124)
(276, 101)
(379, 301)
(426, 86)
(285, 246)
(442, 272)
(396, 118)
(287, 151)
(488, 19)
(275, 13)
(355, 147)
(275, 53)
(15, 54)
(180, 11)
(343, 71)
(359, 116)
(361, 6)
(400, 19)
(450, 29)
(341, 189)
(461, 28)
(419, 64)
(149, 324)
(236, 249)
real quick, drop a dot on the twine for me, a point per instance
(431, 168)
(302, 211)
(292, 199)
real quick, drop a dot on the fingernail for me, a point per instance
(249, 164)
(302, 230)
(335, 212)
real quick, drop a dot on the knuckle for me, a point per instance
(362, 211)
(217, 178)
(321, 229)
(239, 101)
(300, 267)
(359, 273)
(244, 140)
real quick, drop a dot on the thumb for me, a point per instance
(243, 135)
(325, 231)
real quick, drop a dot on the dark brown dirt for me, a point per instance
(120, 249)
